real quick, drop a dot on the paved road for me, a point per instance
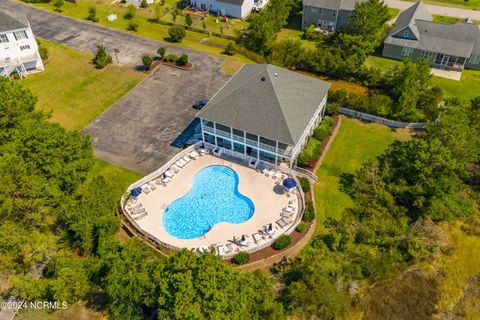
(141, 131)
(437, 10)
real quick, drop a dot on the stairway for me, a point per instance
(11, 66)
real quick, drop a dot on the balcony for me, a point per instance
(267, 147)
(223, 133)
(252, 142)
(238, 138)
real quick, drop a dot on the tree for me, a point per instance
(16, 101)
(147, 61)
(161, 52)
(177, 33)
(131, 12)
(229, 49)
(92, 14)
(182, 60)
(102, 58)
(132, 26)
(143, 4)
(368, 19)
(58, 5)
(188, 20)
(288, 54)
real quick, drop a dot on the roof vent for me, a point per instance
(275, 74)
(263, 78)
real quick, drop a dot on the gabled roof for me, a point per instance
(458, 39)
(333, 4)
(408, 18)
(269, 101)
(236, 2)
(12, 21)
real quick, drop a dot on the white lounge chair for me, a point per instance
(169, 173)
(288, 209)
(277, 175)
(180, 163)
(138, 211)
(166, 180)
(152, 186)
(270, 172)
(194, 155)
(141, 216)
(286, 214)
(280, 223)
(174, 168)
(257, 237)
(229, 248)
(221, 250)
(145, 189)
(186, 159)
(243, 241)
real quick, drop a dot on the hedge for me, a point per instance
(309, 213)
(304, 184)
(241, 258)
(301, 227)
(282, 242)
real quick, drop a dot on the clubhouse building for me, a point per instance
(264, 114)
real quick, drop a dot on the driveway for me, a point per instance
(437, 10)
(144, 129)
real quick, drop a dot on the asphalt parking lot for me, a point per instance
(144, 129)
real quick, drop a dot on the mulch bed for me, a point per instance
(324, 143)
(155, 64)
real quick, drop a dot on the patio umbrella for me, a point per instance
(136, 192)
(289, 183)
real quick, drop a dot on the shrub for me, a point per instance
(132, 26)
(42, 50)
(143, 4)
(182, 60)
(282, 242)
(177, 33)
(321, 132)
(131, 12)
(171, 58)
(301, 227)
(92, 14)
(309, 213)
(332, 108)
(58, 5)
(101, 57)
(310, 153)
(161, 52)
(304, 184)
(241, 258)
(147, 61)
(311, 34)
(229, 49)
(37, 1)
(188, 20)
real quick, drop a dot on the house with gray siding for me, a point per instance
(264, 114)
(453, 46)
(327, 14)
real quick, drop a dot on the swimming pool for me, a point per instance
(213, 198)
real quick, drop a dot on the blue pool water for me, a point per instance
(213, 198)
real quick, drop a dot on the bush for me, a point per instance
(182, 60)
(229, 49)
(310, 153)
(147, 61)
(188, 20)
(241, 258)
(132, 26)
(177, 33)
(92, 14)
(131, 12)
(37, 1)
(321, 132)
(309, 213)
(304, 184)
(161, 52)
(101, 57)
(42, 50)
(332, 108)
(282, 242)
(143, 4)
(171, 58)
(301, 227)
(58, 5)
(328, 121)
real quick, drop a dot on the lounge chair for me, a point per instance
(141, 216)
(277, 175)
(229, 248)
(288, 209)
(137, 206)
(166, 180)
(174, 168)
(292, 201)
(146, 189)
(243, 241)
(194, 155)
(280, 223)
(286, 214)
(257, 237)
(270, 172)
(186, 159)
(221, 250)
(158, 181)
(138, 210)
(152, 186)
(180, 163)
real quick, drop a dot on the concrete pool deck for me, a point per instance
(268, 198)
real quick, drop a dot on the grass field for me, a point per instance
(467, 87)
(356, 143)
(470, 4)
(73, 90)
(145, 28)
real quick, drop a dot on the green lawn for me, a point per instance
(145, 28)
(393, 12)
(467, 87)
(293, 30)
(73, 90)
(445, 19)
(356, 143)
(470, 4)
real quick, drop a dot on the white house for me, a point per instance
(264, 114)
(230, 8)
(18, 47)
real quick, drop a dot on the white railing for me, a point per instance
(380, 120)
(223, 134)
(306, 173)
(238, 138)
(267, 147)
(208, 129)
(252, 142)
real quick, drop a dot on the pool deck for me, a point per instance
(268, 198)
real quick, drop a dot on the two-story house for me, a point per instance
(327, 14)
(18, 47)
(264, 113)
(453, 46)
(231, 8)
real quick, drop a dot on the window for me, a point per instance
(24, 47)
(475, 59)
(426, 55)
(334, 13)
(3, 38)
(20, 35)
(406, 33)
(407, 52)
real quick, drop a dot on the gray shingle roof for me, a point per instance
(458, 39)
(12, 21)
(333, 4)
(237, 2)
(268, 101)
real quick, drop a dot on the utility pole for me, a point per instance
(116, 53)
